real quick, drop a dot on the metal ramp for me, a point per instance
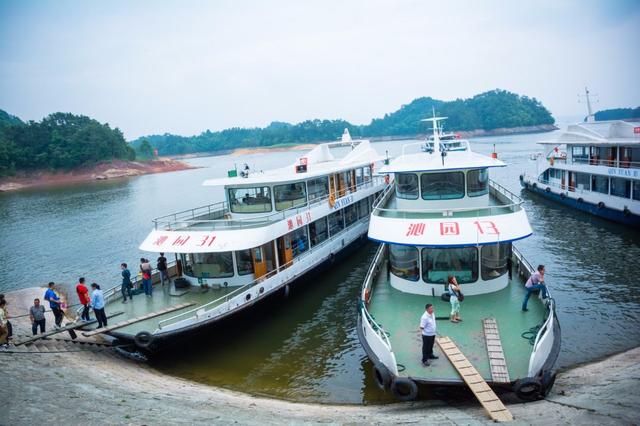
(489, 400)
(138, 319)
(499, 370)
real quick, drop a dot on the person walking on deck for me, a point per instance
(36, 315)
(125, 288)
(4, 331)
(54, 303)
(145, 268)
(85, 299)
(454, 290)
(162, 267)
(97, 303)
(428, 331)
(535, 282)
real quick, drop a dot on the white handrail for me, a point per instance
(367, 286)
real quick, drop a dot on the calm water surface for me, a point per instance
(306, 348)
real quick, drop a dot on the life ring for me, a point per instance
(143, 339)
(332, 200)
(547, 190)
(547, 381)
(626, 212)
(386, 179)
(404, 389)
(600, 205)
(527, 389)
(381, 376)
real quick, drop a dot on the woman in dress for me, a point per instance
(454, 290)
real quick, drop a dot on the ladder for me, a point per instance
(138, 319)
(489, 400)
(499, 371)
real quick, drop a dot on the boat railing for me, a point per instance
(374, 269)
(595, 161)
(512, 203)
(563, 187)
(199, 216)
(136, 280)
(202, 309)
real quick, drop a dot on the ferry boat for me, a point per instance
(273, 228)
(593, 167)
(443, 216)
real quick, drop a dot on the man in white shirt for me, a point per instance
(428, 330)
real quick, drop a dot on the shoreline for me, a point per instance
(102, 171)
(67, 383)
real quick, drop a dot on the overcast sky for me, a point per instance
(183, 67)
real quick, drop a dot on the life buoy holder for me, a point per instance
(381, 376)
(404, 389)
(547, 190)
(601, 205)
(528, 389)
(143, 339)
(332, 200)
(386, 179)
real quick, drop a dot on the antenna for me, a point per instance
(588, 97)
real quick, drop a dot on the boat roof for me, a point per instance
(320, 161)
(606, 133)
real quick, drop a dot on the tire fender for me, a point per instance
(547, 190)
(600, 205)
(528, 389)
(143, 339)
(404, 389)
(381, 376)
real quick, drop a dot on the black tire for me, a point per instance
(547, 381)
(580, 200)
(547, 190)
(381, 376)
(600, 205)
(404, 389)
(143, 340)
(528, 389)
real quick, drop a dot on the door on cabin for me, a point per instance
(562, 173)
(341, 185)
(285, 252)
(572, 181)
(259, 262)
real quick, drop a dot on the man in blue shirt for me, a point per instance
(97, 303)
(54, 303)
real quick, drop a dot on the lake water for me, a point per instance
(307, 348)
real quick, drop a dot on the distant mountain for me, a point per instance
(487, 111)
(618, 114)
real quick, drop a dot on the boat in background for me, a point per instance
(443, 216)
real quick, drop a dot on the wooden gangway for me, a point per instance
(489, 400)
(497, 361)
(138, 319)
(69, 327)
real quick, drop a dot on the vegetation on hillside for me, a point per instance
(59, 141)
(617, 114)
(490, 110)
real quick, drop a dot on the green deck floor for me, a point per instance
(399, 314)
(162, 299)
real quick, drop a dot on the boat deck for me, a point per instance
(399, 314)
(162, 299)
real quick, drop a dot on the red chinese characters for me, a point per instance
(415, 229)
(290, 224)
(449, 228)
(207, 240)
(160, 241)
(180, 240)
(486, 227)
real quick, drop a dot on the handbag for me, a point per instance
(460, 296)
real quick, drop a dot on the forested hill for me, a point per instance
(59, 141)
(618, 114)
(486, 111)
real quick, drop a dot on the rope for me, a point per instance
(531, 334)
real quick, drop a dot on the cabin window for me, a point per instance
(350, 180)
(244, 262)
(621, 187)
(636, 190)
(250, 200)
(350, 215)
(299, 241)
(404, 262)
(600, 184)
(580, 154)
(318, 231)
(290, 195)
(209, 265)
(583, 181)
(318, 188)
(336, 223)
(367, 173)
(477, 182)
(439, 263)
(442, 186)
(363, 208)
(407, 186)
(359, 176)
(494, 260)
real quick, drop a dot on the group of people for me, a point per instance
(428, 320)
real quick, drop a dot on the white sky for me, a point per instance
(182, 67)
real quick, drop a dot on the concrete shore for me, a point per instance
(85, 387)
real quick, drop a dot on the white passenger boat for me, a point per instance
(593, 167)
(443, 216)
(273, 228)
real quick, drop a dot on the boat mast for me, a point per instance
(590, 117)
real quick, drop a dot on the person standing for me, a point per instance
(428, 331)
(85, 299)
(4, 332)
(145, 268)
(54, 303)
(454, 290)
(36, 314)
(535, 282)
(97, 303)
(9, 326)
(125, 288)
(162, 267)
